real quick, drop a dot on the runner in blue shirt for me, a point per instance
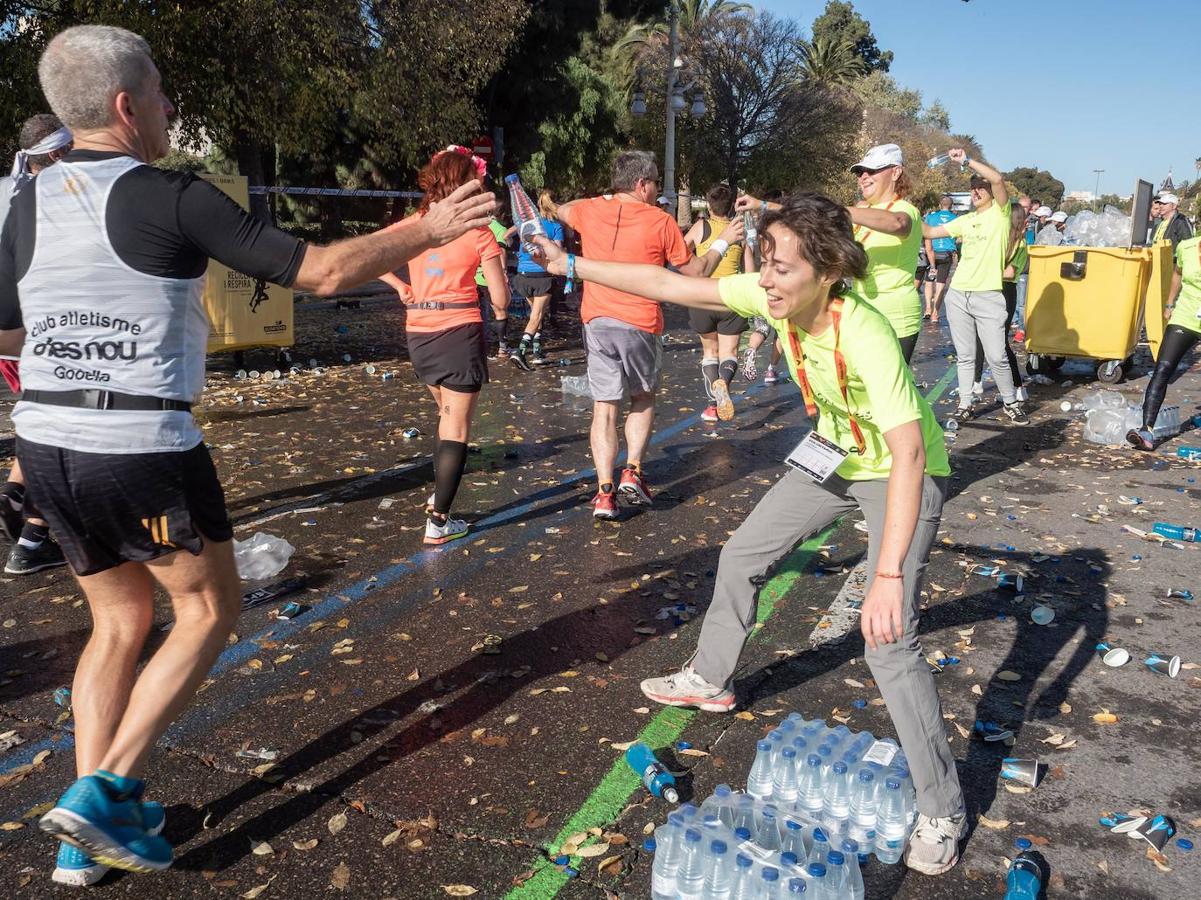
(535, 284)
(944, 248)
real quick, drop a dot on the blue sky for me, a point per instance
(1065, 85)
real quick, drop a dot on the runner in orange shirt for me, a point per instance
(445, 331)
(621, 330)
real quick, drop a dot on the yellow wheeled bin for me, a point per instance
(1085, 302)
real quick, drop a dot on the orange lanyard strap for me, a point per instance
(861, 230)
(840, 370)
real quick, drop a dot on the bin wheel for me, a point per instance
(1111, 371)
(283, 358)
(1034, 364)
(1054, 363)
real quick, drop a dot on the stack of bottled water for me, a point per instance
(819, 802)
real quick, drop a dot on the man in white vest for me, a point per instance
(102, 262)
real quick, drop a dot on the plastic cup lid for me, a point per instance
(1042, 615)
(1116, 657)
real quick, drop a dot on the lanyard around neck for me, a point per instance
(840, 370)
(861, 230)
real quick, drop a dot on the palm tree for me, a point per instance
(695, 16)
(830, 63)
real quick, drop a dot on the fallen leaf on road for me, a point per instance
(255, 891)
(745, 716)
(1065, 707)
(692, 751)
(263, 849)
(593, 850)
(622, 746)
(41, 757)
(459, 890)
(392, 837)
(336, 823)
(1007, 675)
(997, 824)
(1161, 861)
(851, 682)
(340, 880)
(610, 865)
(535, 818)
(1054, 740)
(1105, 717)
(304, 845)
(12, 826)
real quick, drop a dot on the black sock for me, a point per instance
(33, 535)
(448, 472)
(727, 368)
(497, 327)
(710, 372)
(14, 493)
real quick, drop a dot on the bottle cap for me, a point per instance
(722, 790)
(743, 834)
(849, 845)
(692, 836)
(793, 825)
(819, 834)
(742, 861)
(788, 753)
(840, 767)
(763, 746)
(835, 858)
(1022, 844)
(893, 784)
(719, 847)
(649, 845)
(865, 775)
(770, 873)
(817, 870)
(788, 858)
(797, 886)
(813, 759)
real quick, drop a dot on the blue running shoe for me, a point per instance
(111, 830)
(75, 868)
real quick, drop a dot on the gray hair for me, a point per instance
(632, 165)
(84, 68)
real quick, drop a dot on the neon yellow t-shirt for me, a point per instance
(891, 266)
(732, 259)
(879, 384)
(985, 237)
(1188, 301)
(498, 230)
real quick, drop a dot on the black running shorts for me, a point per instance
(532, 285)
(455, 358)
(704, 321)
(106, 509)
(942, 267)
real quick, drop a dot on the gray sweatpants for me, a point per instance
(795, 509)
(980, 312)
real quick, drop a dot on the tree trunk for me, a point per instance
(249, 152)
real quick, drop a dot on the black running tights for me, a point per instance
(1177, 341)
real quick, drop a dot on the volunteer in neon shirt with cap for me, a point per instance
(877, 448)
(889, 228)
(1182, 334)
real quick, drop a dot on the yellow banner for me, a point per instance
(242, 311)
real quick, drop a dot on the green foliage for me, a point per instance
(1037, 183)
(881, 91)
(829, 63)
(840, 24)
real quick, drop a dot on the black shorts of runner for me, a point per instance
(105, 509)
(704, 321)
(531, 285)
(942, 267)
(920, 273)
(456, 358)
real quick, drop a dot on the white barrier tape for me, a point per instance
(334, 192)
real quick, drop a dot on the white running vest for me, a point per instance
(91, 321)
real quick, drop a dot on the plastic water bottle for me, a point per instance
(1176, 532)
(752, 230)
(784, 781)
(798, 887)
(863, 801)
(1192, 454)
(1025, 879)
(892, 826)
(850, 850)
(721, 804)
(838, 794)
(769, 889)
(819, 848)
(941, 160)
(654, 776)
(811, 786)
(525, 213)
(759, 782)
(776, 739)
(743, 886)
(901, 774)
(690, 878)
(744, 813)
(718, 876)
(826, 752)
(793, 839)
(836, 874)
(669, 840)
(838, 736)
(801, 746)
(817, 882)
(768, 835)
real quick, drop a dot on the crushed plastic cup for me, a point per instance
(409, 433)
(1156, 831)
(1164, 665)
(1023, 771)
(62, 697)
(1121, 823)
(1181, 594)
(1114, 657)
(261, 556)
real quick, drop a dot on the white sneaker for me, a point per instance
(978, 388)
(1023, 394)
(442, 534)
(687, 688)
(934, 845)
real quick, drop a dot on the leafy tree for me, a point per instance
(830, 64)
(936, 116)
(880, 91)
(840, 23)
(1037, 183)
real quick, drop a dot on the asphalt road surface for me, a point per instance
(441, 722)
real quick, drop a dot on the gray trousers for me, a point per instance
(980, 313)
(794, 510)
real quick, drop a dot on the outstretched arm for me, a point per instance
(642, 280)
(995, 180)
(898, 223)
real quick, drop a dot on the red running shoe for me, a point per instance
(604, 506)
(633, 488)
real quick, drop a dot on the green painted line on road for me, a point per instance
(610, 797)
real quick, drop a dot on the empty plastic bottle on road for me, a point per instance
(850, 850)
(784, 780)
(1025, 880)
(744, 886)
(892, 824)
(669, 840)
(759, 782)
(525, 213)
(652, 772)
(811, 786)
(1176, 532)
(863, 800)
(690, 878)
(721, 805)
(838, 794)
(718, 875)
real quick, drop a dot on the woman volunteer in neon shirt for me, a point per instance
(877, 448)
(445, 331)
(1181, 335)
(890, 230)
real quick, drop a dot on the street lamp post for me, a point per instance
(1097, 189)
(669, 152)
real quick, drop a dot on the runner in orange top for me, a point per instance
(445, 331)
(620, 329)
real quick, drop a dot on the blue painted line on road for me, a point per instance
(24, 754)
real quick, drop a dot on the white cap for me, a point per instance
(1043, 212)
(1059, 216)
(663, 201)
(880, 157)
(1169, 198)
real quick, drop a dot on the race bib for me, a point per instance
(816, 456)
